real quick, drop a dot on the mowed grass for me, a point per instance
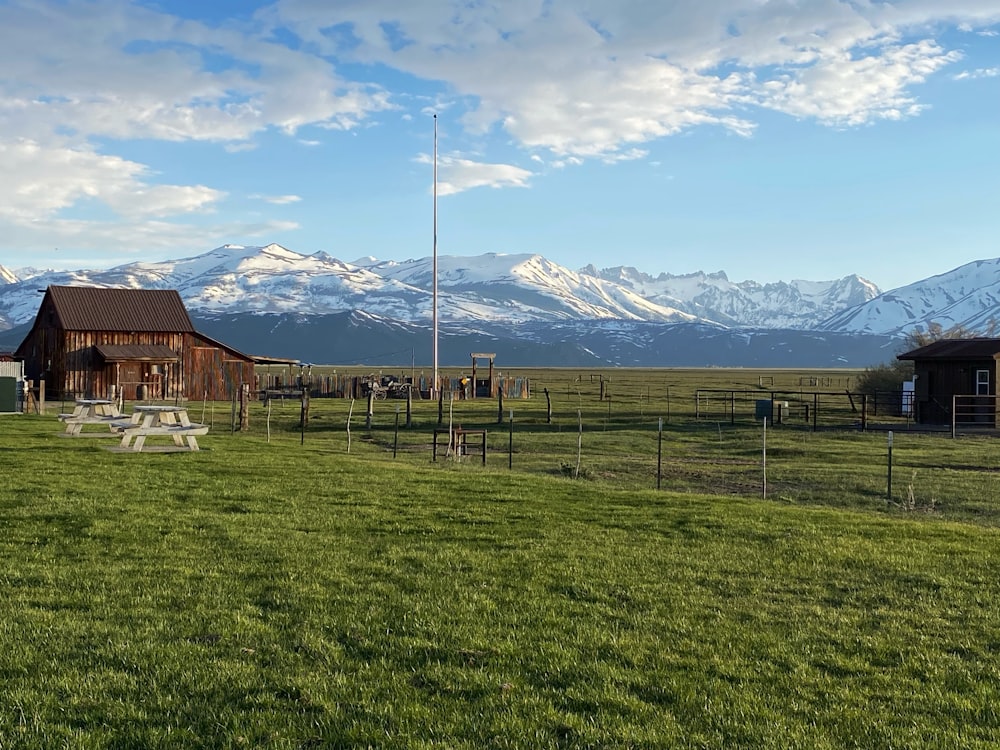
(291, 594)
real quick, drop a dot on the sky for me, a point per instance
(769, 139)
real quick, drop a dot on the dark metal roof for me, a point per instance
(136, 353)
(82, 308)
(978, 348)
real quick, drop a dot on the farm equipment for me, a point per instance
(385, 387)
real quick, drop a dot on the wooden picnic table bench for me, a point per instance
(90, 411)
(160, 421)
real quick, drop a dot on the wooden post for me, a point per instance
(500, 405)
(440, 406)
(409, 406)
(350, 413)
(304, 410)
(548, 407)
(244, 407)
(371, 410)
(41, 395)
(864, 412)
(815, 410)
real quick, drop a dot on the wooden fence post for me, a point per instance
(244, 407)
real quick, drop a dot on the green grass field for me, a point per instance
(284, 592)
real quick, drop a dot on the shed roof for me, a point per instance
(136, 353)
(81, 308)
(954, 349)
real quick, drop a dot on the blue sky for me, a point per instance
(770, 139)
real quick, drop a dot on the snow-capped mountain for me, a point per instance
(968, 296)
(273, 300)
(795, 304)
(498, 288)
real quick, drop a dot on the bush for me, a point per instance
(885, 377)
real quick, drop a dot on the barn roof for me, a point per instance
(136, 353)
(81, 308)
(976, 348)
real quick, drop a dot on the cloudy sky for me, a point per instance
(771, 139)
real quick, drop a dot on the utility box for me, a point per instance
(773, 411)
(764, 409)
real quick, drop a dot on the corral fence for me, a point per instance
(970, 413)
(358, 386)
(814, 409)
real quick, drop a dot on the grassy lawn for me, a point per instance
(287, 593)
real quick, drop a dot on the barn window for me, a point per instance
(982, 382)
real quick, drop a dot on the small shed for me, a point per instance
(11, 379)
(97, 342)
(955, 367)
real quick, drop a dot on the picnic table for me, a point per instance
(91, 411)
(160, 421)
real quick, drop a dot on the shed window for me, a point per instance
(982, 382)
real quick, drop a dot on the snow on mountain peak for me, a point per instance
(524, 287)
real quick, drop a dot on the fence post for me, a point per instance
(954, 414)
(864, 412)
(659, 452)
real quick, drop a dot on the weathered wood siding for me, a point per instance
(214, 372)
(939, 380)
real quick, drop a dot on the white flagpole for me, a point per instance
(434, 382)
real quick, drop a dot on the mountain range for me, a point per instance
(268, 300)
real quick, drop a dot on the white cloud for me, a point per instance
(591, 78)
(457, 174)
(40, 181)
(108, 242)
(566, 80)
(846, 90)
(278, 200)
(978, 73)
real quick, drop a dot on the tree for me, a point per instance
(889, 376)
(936, 332)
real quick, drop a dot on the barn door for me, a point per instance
(130, 380)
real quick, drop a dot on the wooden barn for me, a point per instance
(949, 368)
(88, 342)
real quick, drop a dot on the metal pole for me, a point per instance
(510, 444)
(888, 484)
(659, 453)
(434, 314)
(763, 463)
(395, 438)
